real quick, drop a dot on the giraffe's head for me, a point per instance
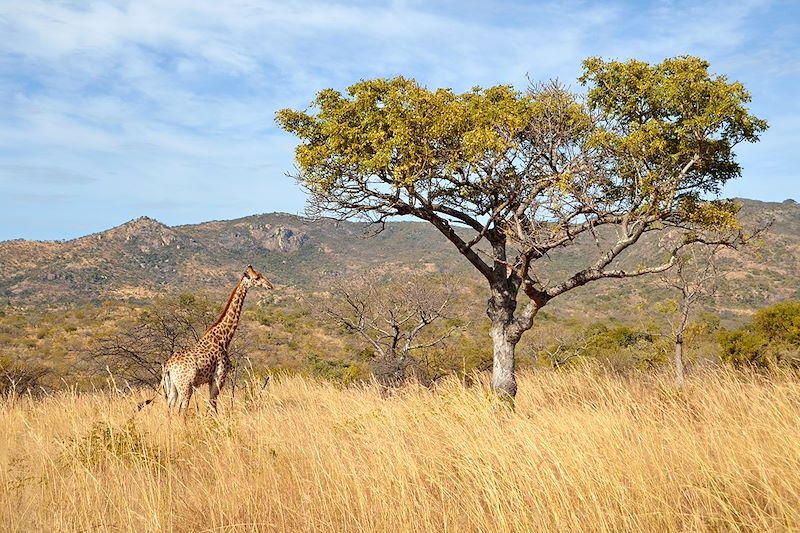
(254, 278)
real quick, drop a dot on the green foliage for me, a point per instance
(290, 318)
(397, 128)
(665, 116)
(742, 347)
(459, 149)
(663, 135)
(780, 322)
(619, 346)
(707, 323)
(340, 371)
(713, 214)
(772, 338)
(617, 337)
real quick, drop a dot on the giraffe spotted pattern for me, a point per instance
(208, 360)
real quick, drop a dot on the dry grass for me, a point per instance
(584, 451)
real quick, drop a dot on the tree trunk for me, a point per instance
(679, 375)
(501, 312)
(504, 384)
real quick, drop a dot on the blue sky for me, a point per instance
(116, 109)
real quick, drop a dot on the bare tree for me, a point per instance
(563, 350)
(394, 318)
(16, 378)
(695, 277)
(136, 352)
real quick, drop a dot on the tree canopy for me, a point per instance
(507, 175)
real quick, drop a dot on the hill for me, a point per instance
(144, 258)
(61, 301)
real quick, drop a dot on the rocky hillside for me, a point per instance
(144, 257)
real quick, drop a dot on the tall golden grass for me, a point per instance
(583, 451)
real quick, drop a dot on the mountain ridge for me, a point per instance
(144, 257)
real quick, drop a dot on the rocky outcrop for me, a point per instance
(145, 233)
(279, 238)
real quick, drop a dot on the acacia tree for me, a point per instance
(508, 176)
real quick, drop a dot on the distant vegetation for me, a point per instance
(144, 259)
(53, 327)
(45, 348)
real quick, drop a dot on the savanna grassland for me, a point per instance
(585, 450)
(600, 440)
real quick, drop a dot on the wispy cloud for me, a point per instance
(166, 104)
(39, 175)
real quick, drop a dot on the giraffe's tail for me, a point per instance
(164, 384)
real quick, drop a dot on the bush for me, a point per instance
(780, 322)
(773, 338)
(344, 372)
(16, 378)
(742, 347)
(620, 347)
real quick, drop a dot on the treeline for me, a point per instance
(438, 334)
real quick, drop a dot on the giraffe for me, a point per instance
(208, 361)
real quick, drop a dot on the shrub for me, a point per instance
(18, 378)
(780, 322)
(772, 338)
(620, 347)
(344, 372)
(742, 347)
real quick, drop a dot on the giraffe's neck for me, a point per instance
(226, 324)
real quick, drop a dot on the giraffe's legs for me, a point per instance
(170, 391)
(215, 385)
(185, 395)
